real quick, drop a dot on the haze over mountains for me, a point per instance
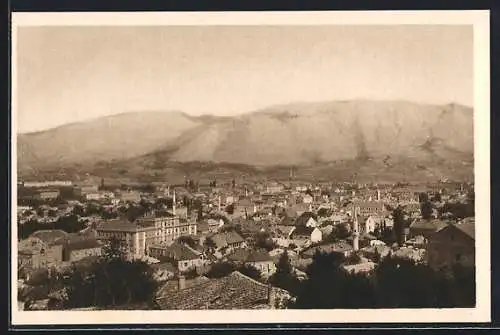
(436, 140)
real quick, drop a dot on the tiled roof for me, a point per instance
(340, 246)
(239, 255)
(258, 256)
(235, 291)
(467, 228)
(427, 228)
(88, 243)
(302, 231)
(303, 218)
(223, 239)
(285, 230)
(287, 221)
(181, 252)
(49, 236)
(121, 225)
(369, 204)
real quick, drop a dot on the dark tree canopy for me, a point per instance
(399, 224)
(188, 240)
(223, 269)
(110, 281)
(395, 283)
(284, 277)
(426, 210)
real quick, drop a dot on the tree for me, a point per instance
(69, 224)
(134, 212)
(436, 197)
(426, 210)
(423, 197)
(187, 240)
(78, 210)
(264, 241)
(220, 269)
(402, 283)
(230, 209)
(40, 212)
(339, 232)
(285, 277)
(399, 224)
(329, 286)
(250, 271)
(324, 212)
(110, 281)
(210, 244)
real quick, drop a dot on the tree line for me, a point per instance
(394, 283)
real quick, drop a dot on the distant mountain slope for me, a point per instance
(113, 137)
(434, 139)
(319, 133)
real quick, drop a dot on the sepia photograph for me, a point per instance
(250, 167)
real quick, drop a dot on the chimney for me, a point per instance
(181, 282)
(271, 296)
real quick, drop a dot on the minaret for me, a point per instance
(355, 240)
(378, 195)
(219, 205)
(173, 204)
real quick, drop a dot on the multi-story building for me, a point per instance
(47, 194)
(55, 183)
(131, 196)
(132, 237)
(369, 207)
(169, 225)
(82, 190)
(146, 231)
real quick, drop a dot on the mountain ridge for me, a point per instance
(296, 134)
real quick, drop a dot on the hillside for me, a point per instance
(398, 138)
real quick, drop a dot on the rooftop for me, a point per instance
(341, 246)
(49, 236)
(122, 225)
(235, 291)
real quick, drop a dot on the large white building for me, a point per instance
(146, 231)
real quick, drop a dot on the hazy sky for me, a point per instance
(68, 74)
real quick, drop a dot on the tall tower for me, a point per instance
(219, 205)
(173, 203)
(378, 195)
(355, 240)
